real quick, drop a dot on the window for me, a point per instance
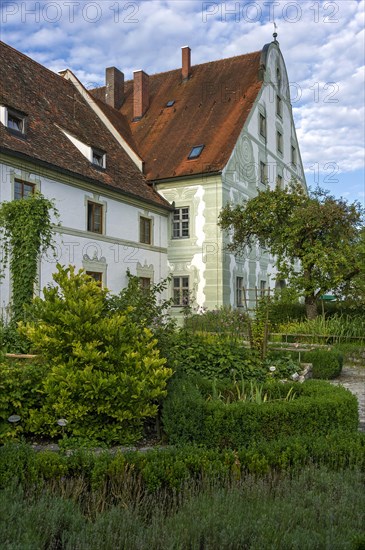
(293, 155)
(279, 181)
(262, 125)
(263, 172)
(170, 103)
(98, 158)
(279, 106)
(262, 287)
(180, 223)
(96, 275)
(145, 283)
(279, 141)
(239, 291)
(181, 291)
(23, 189)
(94, 217)
(195, 152)
(278, 77)
(145, 230)
(16, 121)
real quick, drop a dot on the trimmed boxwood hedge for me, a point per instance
(172, 467)
(326, 364)
(318, 409)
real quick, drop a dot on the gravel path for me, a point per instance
(353, 378)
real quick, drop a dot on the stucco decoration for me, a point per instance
(145, 270)
(245, 160)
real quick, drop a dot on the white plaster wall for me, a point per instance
(118, 249)
(241, 176)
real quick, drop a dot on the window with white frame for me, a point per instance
(262, 122)
(180, 223)
(16, 121)
(293, 155)
(23, 189)
(145, 230)
(180, 291)
(94, 217)
(279, 106)
(98, 158)
(263, 172)
(279, 141)
(262, 287)
(239, 291)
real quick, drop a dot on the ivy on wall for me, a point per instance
(26, 232)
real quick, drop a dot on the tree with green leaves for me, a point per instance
(312, 237)
(106, 374)
(353, 290)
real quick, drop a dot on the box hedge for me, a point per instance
(130, 474)
(318, 409)
(326, 364)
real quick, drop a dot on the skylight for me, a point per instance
(170, 103)
(195, 152)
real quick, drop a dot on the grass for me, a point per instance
(335, 329)
(314, 508)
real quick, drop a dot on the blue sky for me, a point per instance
(322, 43)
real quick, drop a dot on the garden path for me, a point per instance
(353, 378)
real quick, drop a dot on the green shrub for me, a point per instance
(21, 392)
(125, 477)
(224, 320)
(214, 356)
(327, 364)
(11, 341)
(106, 375)
(319, 408)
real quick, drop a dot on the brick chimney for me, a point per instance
(141, 94)
(114, 87)
(186, 63)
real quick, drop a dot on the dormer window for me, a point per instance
(16, 121)
(195, 152)
(98, 158)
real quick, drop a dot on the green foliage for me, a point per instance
(149, 309)
(105, 373)
(327, 364)
(21, 392)
(318, 408)
(26, 231)
(213, 356)
(224, 320)
(311, 508)
(335, 329)
(318, 231)
(11, 341)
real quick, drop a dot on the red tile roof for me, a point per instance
(210, 109)
(52, 102)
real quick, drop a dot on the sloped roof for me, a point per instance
(51, 103)
(210, 109)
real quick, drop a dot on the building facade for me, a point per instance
(171, 150)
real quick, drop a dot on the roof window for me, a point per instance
(195, 152)
(98, 158)
(16, 121)
(170, 103)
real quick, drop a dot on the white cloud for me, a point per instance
(325, 45)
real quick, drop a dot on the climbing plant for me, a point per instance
(26, 231)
